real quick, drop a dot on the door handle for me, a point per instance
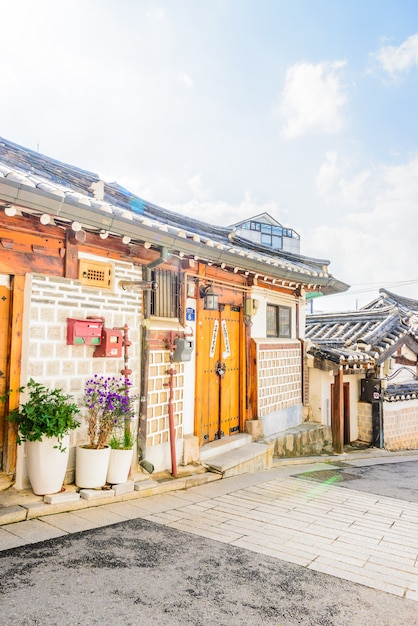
(220, 369)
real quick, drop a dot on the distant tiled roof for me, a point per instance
(364, 337)
(40, 184)
(401, 391)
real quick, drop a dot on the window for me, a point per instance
(278, 321)
(165, 298)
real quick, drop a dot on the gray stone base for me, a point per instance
(307, 439)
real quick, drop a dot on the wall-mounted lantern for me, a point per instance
(210, 298)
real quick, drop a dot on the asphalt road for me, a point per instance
(397, 479)
(140, 573)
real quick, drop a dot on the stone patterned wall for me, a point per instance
(158, 397)
(50, 361)
(400, 421)
(279, 376)
(364, 417)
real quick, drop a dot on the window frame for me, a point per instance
(165, 300)
(282, 325)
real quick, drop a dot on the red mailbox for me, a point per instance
(84, 332)
(111, 343)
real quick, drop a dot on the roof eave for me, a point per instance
(69, 209)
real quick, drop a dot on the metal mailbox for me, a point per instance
(84, 332)
(111, 343)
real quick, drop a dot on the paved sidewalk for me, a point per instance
(360, 537)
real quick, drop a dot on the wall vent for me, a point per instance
(95, 274)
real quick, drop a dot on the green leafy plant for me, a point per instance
(122, 438)
(46, 413)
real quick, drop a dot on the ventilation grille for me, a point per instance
(95, 274)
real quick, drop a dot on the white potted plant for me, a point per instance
(121, 451)
(44, 421)
(108, 404)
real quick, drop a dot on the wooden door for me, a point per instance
(218, 373)
(346, 402)
(5, 295)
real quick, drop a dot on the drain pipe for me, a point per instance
(145, 351)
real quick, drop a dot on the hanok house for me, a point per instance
(209, 324)
(363, 372)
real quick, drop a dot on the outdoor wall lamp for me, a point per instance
(210, 298)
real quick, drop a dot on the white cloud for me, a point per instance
(312, 99)
(158, 14)
(398, 59)
(184, 78)
(376, 241)
(337, 183)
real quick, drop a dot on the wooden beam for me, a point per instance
(71, 255)
(337, 421)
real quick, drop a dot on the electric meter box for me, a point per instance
(251, 306)
(183, 350)
(111, 344)
(370, 390)
(84, 332)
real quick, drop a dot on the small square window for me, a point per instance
(165, 299)
(278, 321)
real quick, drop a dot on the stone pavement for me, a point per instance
(361, 537)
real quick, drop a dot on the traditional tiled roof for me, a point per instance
(401, 391)
(38, 184)
(364, 337)
(407, 307)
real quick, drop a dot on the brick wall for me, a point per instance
(49, 360)
(400, 425)
(279, 376)
(364, 422)
(158, 398)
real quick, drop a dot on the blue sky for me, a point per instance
(223, 109)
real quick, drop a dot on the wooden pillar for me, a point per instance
(15, 358)
(337, 423)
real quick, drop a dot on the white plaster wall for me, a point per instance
(354, 381)
(320, 398)
(190, 375)
(264, 297)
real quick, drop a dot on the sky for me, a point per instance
(225, 109)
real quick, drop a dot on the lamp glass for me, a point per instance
(211, 299)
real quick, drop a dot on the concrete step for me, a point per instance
(251, 457)
(220, 446)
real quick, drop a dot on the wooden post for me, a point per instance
(338, 414)
(15, 358)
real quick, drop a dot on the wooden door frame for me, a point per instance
(241, 391)
(17, 288)
(343, 437)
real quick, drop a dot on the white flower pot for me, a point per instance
(91, 467)
(47, 465)
(119, 466)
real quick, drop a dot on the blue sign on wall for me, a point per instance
(190, 314)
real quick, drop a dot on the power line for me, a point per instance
(349, 292)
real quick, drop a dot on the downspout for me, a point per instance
(145, 357)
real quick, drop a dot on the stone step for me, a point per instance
(220, 446)
(251, 457)
(307, 439)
